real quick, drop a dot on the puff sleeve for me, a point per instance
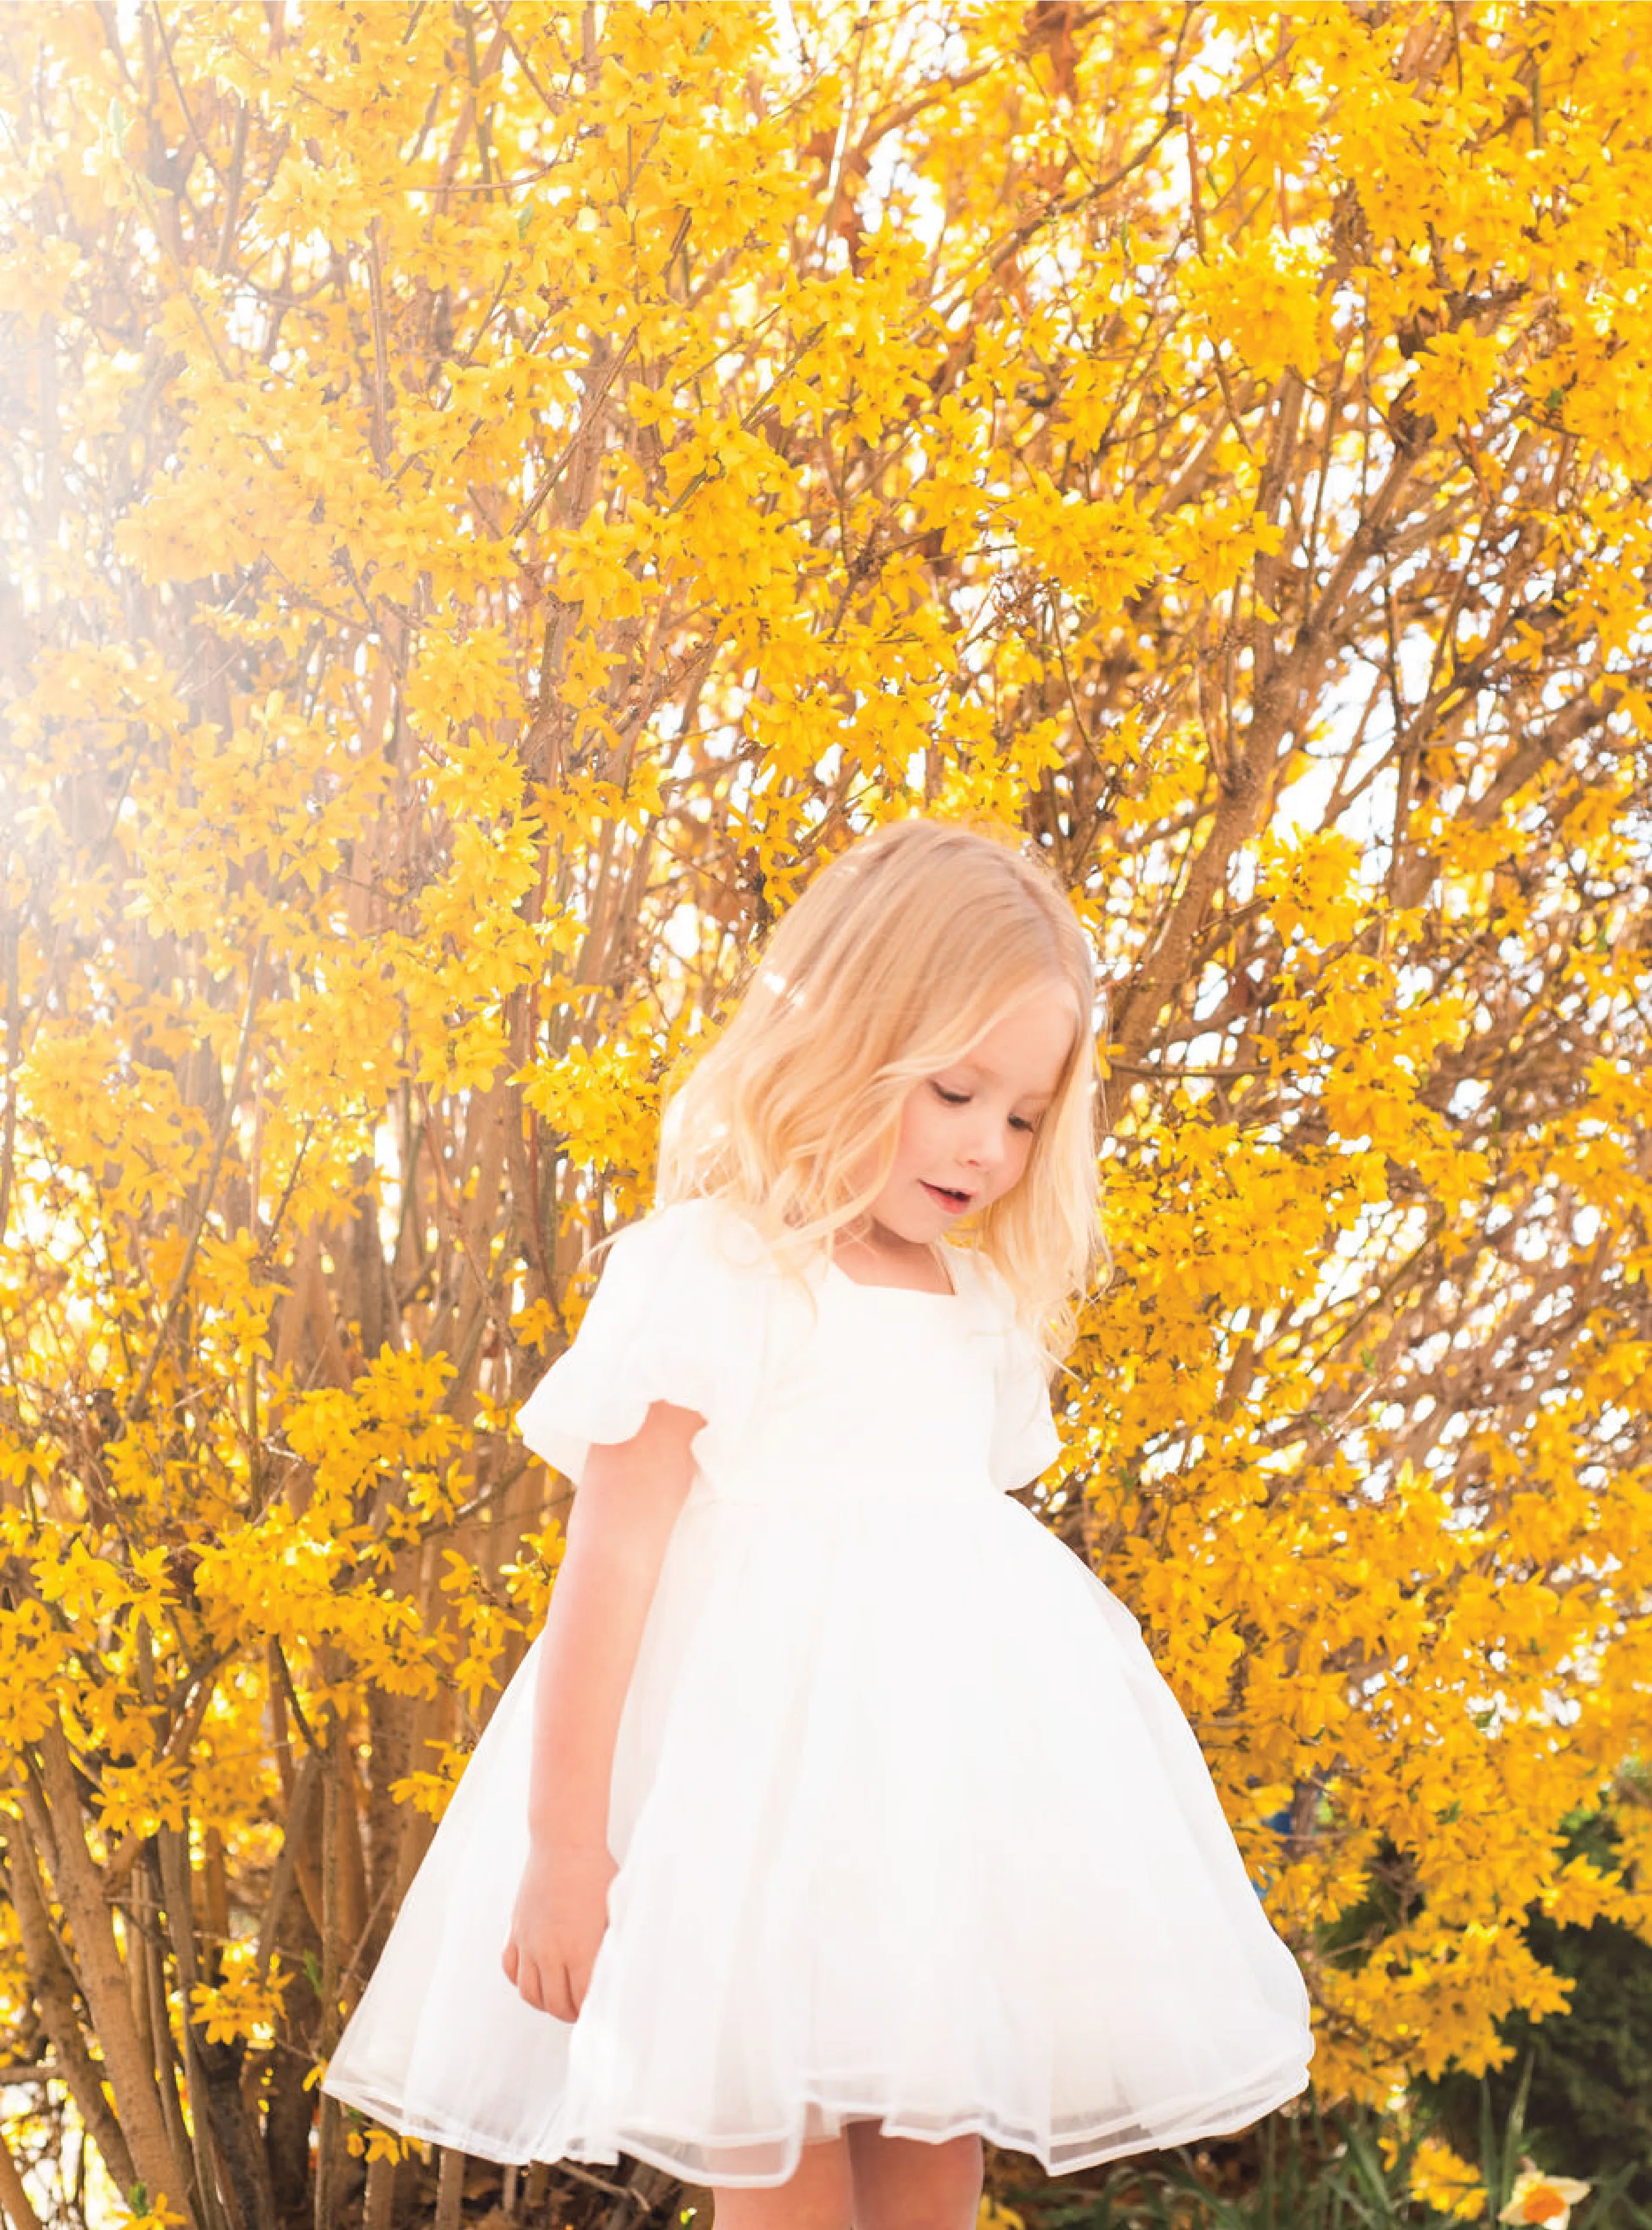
(1024, 1440)
(669, 1321)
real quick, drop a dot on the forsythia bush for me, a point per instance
(498, 490)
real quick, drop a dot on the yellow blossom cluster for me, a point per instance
(501, 495)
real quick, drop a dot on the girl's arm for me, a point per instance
(621, 1519)
(627, 1503)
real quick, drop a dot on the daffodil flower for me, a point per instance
(1545, 2198)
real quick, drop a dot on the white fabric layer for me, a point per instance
(908, 1825)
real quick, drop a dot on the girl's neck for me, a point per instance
(882, 1258)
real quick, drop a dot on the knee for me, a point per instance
(921, 2211)
(919, 2214)
(817, 2197)
(906, 2184)
(777, 2208)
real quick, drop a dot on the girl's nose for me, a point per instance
(987, 1147)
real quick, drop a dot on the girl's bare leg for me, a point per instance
(819, 2196)
(903, 2183)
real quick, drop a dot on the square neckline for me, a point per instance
(921, 1293)
(961, 1286)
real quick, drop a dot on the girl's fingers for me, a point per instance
(530, 1984)
(558, 1989)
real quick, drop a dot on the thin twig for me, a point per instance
(175, 1299)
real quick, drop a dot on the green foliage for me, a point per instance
(1308, 2168)
(1587, 2071)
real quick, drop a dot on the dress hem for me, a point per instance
(1202, 2120)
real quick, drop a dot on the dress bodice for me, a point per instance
(813, 1387)
(887, 1391)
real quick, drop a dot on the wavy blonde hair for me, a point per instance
(896, 959)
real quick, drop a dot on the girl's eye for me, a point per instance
(957, 1098)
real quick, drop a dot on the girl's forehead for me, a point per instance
(1028, 1043)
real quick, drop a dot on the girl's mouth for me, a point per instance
(956, 1201)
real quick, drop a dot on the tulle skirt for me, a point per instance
(908, 1827)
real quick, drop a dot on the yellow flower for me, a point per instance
(382, 2144)
(995, 2216)
(1446, 2182)
(150, 2215)
(1546, 2199)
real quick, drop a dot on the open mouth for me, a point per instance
(946, 1195)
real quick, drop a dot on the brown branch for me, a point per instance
(51, 1810)
(13, 934)
(381, 362)
(135, 1405)
(52, 1987)
(581, 434)
(13, 2197)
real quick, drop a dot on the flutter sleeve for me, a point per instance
(1024, 1440)
(666, 1323)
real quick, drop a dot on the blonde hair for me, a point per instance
(895, 961)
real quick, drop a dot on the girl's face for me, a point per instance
(967, 1131)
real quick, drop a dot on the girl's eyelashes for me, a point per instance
(957, 1098)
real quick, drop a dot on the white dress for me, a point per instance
(908, 1824)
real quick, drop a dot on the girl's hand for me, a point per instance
(559, 1919)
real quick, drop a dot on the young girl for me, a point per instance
(839, 1818)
